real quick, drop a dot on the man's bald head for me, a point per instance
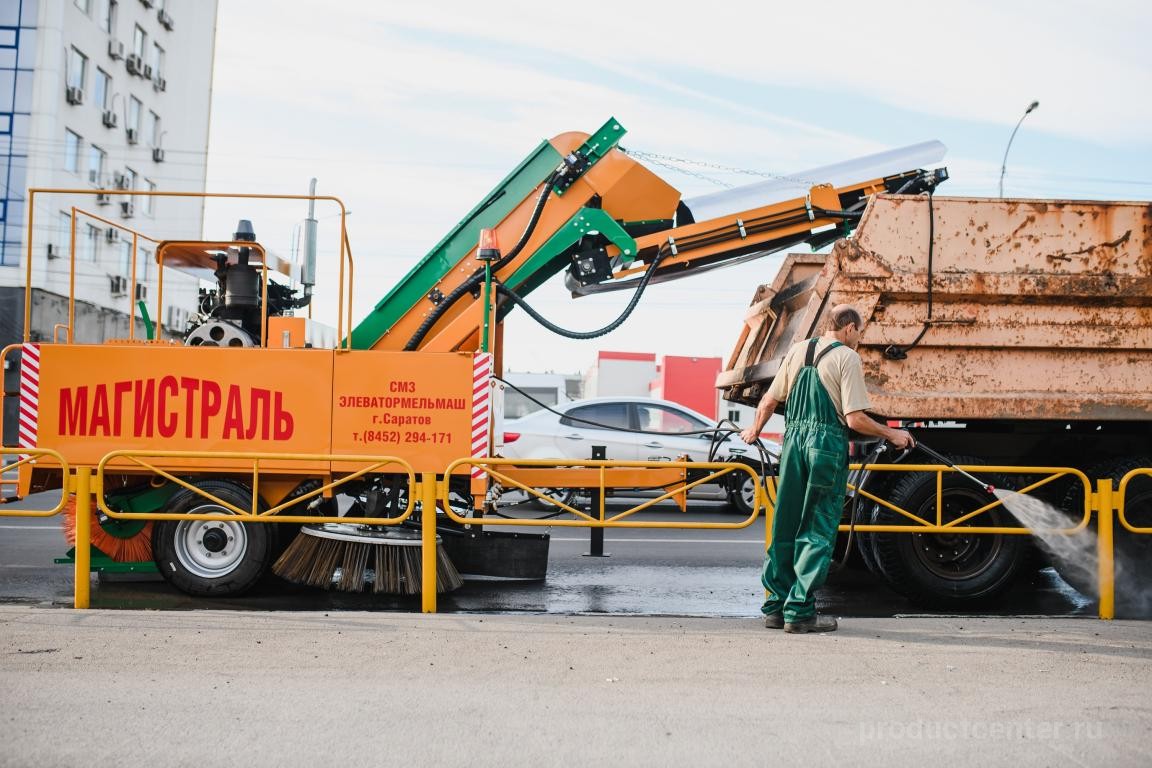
(843, 315)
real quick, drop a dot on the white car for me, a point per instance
(670, 431)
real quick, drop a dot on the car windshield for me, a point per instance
(657, 418)
(607, 415)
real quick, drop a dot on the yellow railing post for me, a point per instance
(1106, 568)
(83, 536)
(428, 542)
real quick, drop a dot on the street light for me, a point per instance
(1004, 164)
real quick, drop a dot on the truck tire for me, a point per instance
(1133, 551)
(211, 559)
(946, 570)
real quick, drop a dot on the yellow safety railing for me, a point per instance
(918, 524)
(1122, 500)
(28, 458)
(147, 461)
(717, 470)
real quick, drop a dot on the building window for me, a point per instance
(64, 232)
(108, 17)
(71, 151)
(135, 107)
(97, 162)
(84, 5)
(126, 257)
(139, 42)
(130, 178)
(147, 202)
(143, 257)
(153, 129)
(77, 68)
(157, 59)
(102, 89)
(88, 242)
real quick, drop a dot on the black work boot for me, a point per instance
(814, 623)
(774, 621)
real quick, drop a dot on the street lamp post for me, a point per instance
(1004, 164)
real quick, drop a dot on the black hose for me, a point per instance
(476, 277)
(520, 302)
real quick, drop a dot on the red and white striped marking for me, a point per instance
(481, 407)
(29, 394)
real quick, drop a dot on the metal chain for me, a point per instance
(667, 160)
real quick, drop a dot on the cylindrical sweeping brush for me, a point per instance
(347, 557)
(125, 541)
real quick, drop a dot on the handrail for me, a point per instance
(602, 520)
(344, 306)
(1121, 499)
(924, 526)
(253, 515)
(28, 457)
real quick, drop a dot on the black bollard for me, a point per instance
(596, 535)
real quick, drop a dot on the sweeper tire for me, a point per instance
(211, 559)
(946, 570)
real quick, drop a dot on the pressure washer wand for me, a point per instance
(945, 460)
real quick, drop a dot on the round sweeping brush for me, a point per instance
(125, 541)
(348, 557)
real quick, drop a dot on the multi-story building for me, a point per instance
(111, 97)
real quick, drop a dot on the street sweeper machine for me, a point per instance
(250, 410)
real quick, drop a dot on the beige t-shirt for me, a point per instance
(840, 372)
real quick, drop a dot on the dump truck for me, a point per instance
(1004, 332)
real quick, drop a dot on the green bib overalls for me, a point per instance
(812, 482)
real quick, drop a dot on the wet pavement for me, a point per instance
(650, 572)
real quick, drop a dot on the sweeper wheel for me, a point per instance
(210, 558)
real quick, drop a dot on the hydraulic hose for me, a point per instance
(476, 277)
(520, 302)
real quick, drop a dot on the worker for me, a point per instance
(821, 383)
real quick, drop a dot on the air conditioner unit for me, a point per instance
(177, 319)
(141, 292)
(133, 63)
(158, 154)
(127, 209)
(116, 49)
(165, 19)
(54, 251)
(133, 135)
(160, 83)
(74, 95)
(111, 119)
(103, 198)
(119, 285)
(119, 180)
(146, 70)
(113, 235)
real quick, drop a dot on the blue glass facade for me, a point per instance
(17, 60)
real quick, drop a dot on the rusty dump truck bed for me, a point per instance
(1030, 309)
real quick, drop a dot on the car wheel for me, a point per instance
(742, 497)
(557, 495)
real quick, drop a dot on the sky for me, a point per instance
(410, 112)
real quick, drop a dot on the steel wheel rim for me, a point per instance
(210, 548)
(955, 557)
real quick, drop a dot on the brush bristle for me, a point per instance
(344, 566)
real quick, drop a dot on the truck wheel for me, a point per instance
(951, 569)
(1133, 551)
(205, 558)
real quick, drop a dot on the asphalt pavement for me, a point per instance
(226, 688)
